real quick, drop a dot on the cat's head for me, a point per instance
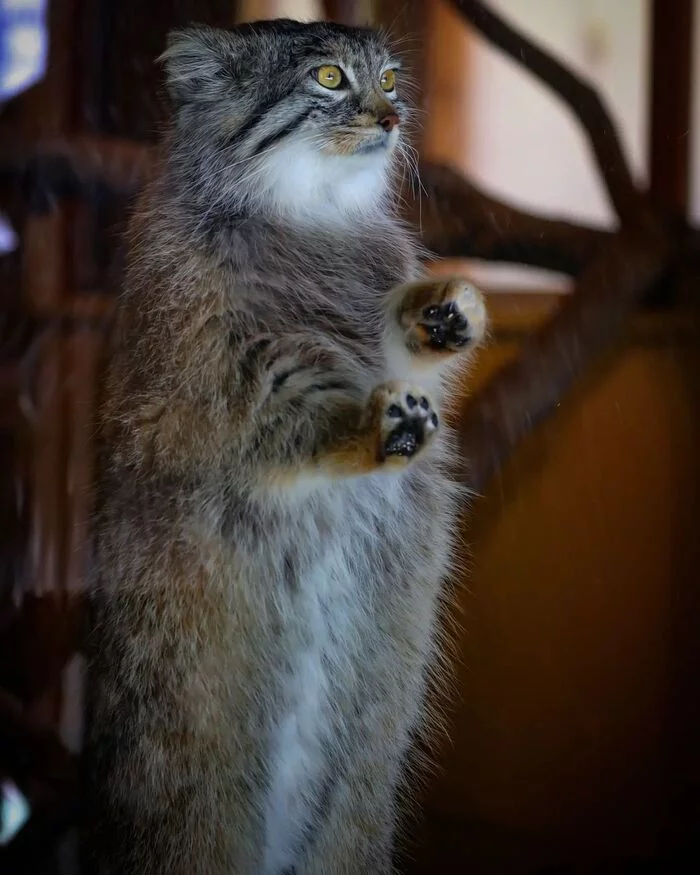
(284, 116)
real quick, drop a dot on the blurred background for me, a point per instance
(573, 721)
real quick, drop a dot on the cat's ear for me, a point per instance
(196, 61)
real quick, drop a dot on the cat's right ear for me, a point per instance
(196, 60)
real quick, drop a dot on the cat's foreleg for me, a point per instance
(433, 324)
(396, 425)
(310, 417)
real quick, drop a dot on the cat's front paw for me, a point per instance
(443, 315)
(405, 419)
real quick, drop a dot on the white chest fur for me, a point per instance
(333, 601)
(296, 764)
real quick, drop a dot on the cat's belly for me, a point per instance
(299, 741)
(374, 575)
(296, 766)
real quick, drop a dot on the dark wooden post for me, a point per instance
(669, 116)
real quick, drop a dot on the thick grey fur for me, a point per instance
(268, 572)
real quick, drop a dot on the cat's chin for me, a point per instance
(300, 181)
(373, 147)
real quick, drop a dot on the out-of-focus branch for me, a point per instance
(615, 271)
(583, 100)
(457, 220)
(63, 167)
(527, 390)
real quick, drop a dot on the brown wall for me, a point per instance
(573, 708)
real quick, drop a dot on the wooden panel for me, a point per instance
(54, 396)
(47, 111)
(446, 85)
(573, 706)
(132, 101)
(669, 118)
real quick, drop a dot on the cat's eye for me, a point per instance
(388, 80)
(329, 76)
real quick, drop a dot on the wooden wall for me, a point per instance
(575, 707)
(575, 719)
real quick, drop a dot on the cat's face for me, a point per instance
(300, 116)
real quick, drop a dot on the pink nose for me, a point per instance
(389, 122)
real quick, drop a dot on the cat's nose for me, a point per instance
(389, 121)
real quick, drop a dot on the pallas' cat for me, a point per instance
(275, 508)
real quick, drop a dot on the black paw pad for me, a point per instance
(405, 439)
(410, 423)
(445, 325)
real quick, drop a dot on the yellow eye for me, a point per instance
(329, 76)
(388, 80)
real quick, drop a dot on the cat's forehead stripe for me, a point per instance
(322, 38)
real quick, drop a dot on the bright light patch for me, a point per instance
(14, 812)
(23, 5)
(23, 45)
(8, 238)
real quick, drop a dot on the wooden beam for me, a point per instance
(669, 116)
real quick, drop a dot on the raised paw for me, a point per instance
(406, 421)
(443, 315)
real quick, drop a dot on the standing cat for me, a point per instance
(275, 514)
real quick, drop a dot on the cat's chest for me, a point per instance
(347, 266)
(359, 261)
(341, 291)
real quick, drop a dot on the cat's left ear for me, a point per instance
(196, 61)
